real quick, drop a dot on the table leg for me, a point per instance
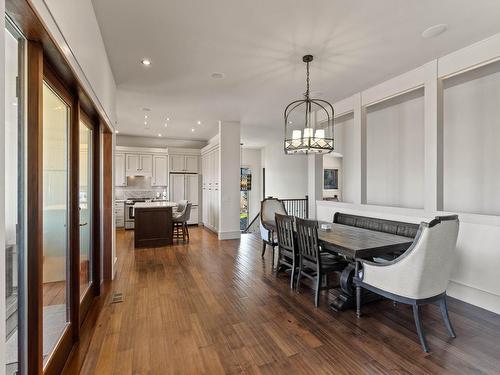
(346, 300)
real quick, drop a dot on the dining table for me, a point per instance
(354, 244)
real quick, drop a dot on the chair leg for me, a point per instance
(417, 315)
(358, 301)
(272, 261)
(444, 311)
(263, 248)
(187, 230)
(319, 276)
(299, 274)
(183, 232)
(292, 276)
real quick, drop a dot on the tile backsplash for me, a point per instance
(138, 187)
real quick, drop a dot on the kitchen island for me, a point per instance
(153, 224)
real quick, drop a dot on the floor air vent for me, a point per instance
(117, 298)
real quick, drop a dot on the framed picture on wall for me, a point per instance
(331, 179)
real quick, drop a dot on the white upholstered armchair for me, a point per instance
(268, 208)
(417, 277)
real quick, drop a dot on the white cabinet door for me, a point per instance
(146, 168)
(160, 171)
(192, 188)
(193, 218)
(177, 185)
(133, 164)
(177, 163)
(191, 163)
(120, 175)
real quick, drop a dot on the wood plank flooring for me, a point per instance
(215, 307)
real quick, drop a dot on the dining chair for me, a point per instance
(181, 205)
(419, 276)
(179, 221)
(314, 263)
(287, 253)
(268, 208)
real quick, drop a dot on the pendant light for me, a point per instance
(308, 123)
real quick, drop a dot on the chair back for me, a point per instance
(284, 229)
(269, 207)
(430, 258)
(181, 205)
(307, 236)
(185, 214)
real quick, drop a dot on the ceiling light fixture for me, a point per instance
(199, 122)
(146, 62)
(317, 116)
(159, 134)
(117, 131)
(168, 119)
(145, 116)
(166, 124)
(434, 31)
(192, 130)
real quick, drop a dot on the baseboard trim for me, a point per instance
(474, 296)
(232, 235)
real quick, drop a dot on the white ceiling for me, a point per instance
(258, 45)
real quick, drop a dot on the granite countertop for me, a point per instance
(154, 204)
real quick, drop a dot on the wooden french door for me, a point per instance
(63, 216)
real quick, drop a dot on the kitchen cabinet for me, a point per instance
(160, 170)
(120, 174)
(120, 213)
(139, 165)
(183, 163)
(186, 187)
(210, 188)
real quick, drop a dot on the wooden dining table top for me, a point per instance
(357, 243)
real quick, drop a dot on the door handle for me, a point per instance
(83, 224)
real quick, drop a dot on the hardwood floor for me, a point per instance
(215, 307)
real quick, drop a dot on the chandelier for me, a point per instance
(308, 123)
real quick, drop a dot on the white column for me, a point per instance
(360, 149)
(433, 136)
(314, 181)
(229, 166)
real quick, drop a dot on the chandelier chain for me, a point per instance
(307, 80)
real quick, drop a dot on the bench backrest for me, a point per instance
(380, 225)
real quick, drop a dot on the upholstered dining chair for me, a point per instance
(180, 220)
(419, 276)
(287, 252)
(314, 263)
(268, 208)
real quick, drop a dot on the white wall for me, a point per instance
(133, 141)
(395, 151)
(74, 27)
(472, 141)
(345, 141)
(251, 158)
(286, 175)
(470, 111)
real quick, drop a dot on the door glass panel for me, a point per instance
(85, 205)
(14, 194)
(55, 218)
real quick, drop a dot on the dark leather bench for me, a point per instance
(380, 225)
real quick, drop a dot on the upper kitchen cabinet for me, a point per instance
(160, 170)
(184, 163)
(120, 175)
(139, 165)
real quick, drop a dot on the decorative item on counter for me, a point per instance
(326, 227)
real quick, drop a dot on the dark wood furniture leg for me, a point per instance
(444, 311)
(263, 248)
(345, 300)
(417, 315)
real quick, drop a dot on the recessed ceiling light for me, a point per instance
(145, 122)
(117, 131)
(159, 134)
(290, 122)
(192, 130)
(198, 122)
(166, 124)
(218, 75)
(146, 62)
(434, 31)
(168, 119)
(145, 116)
